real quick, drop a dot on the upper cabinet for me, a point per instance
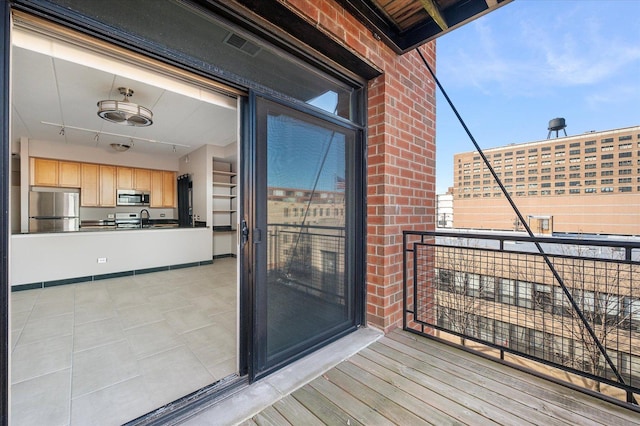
(48, 172)
(132, 178)
(90, 185)
(107, 186)
(98, 185)
(142, 179)
(98, 182)
(125, 177)
(69, 174)
(169, 189)
(163, 189)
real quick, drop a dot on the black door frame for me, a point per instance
(356, 245)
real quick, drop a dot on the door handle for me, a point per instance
(244, 232)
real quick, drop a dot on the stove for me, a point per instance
(128, 221)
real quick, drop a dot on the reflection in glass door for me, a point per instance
(305, 291)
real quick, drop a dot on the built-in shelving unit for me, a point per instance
(224, 207)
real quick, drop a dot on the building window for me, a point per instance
(533, 171)
(625, 189)
(574, 191)
(559, 184)
(574, 183)
(606, 148)
(607, 156)
(546, 185)
(559, 161)
(533, 185)
(533, 178)
(606, 181)
(508, 180)
(574, 145)
(574, 160)
(574, 152)
(606, 165)
(624, 180)
(625, 163)
(587, 143)
(533, 150)
(607, 140)
(520, 172)
(520, 152)
(545, 192)
(520, 194)
(624, 171)
(624, 138)
(590, 190)
(574, 167)
(559, 169)
(543, 156)
(559, 146)
(590, 174)
(589, 150)
(574, 176)
(559, 191)
(589, 166)
(545, 148)
(561, 176)
(532, 193)
(590, 182)
(625, 154)
(560, 154)
(496, 155)
(546, 170)
(606, 189)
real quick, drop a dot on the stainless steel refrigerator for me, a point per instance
(54, 211)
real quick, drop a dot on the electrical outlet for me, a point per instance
(102, 260)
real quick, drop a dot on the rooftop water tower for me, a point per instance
(556, 125)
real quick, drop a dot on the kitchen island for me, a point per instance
(46, 259)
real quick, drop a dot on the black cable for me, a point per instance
(544, 255)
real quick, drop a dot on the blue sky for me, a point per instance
(511, 71)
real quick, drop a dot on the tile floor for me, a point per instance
(135, 343)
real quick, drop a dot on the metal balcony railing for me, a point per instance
(310, 258)
(496, 293)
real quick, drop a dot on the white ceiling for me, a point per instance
(54, 90)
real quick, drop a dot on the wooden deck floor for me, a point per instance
(404, 379)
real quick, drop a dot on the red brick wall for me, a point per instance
(401, 159)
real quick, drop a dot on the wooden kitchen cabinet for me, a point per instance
(125, 177)
(44, 172)
(48, 172)
(169, 196)
(155, 197)
(69, 174)
(142, 179)
(89, 189)
(108, 184)
(163, 189)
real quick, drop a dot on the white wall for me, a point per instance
(47, 257)
(101, 155)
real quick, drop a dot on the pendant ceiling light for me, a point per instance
(120, 147)
(125, 112)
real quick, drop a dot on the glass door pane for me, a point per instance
(305, 294)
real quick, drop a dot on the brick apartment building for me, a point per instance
(588, 183)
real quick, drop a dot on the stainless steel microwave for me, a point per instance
(126, 197)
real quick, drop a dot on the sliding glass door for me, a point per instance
(304, 240)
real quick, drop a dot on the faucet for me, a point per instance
(148, 216)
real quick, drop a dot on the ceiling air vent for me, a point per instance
(242, 44)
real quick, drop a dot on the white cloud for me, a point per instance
(537, 49)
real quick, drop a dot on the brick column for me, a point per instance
(401, 156)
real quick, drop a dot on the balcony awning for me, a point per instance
(406, 24)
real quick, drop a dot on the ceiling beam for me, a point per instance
(434, 11)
